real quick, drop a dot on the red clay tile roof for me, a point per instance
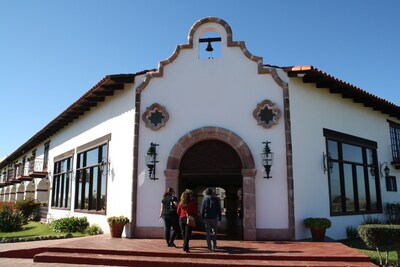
(309, 74)
(91, 98)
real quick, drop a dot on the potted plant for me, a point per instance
(117, 224)
(318, 227)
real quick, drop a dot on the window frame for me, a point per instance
(391, 183)
(80, 186)
(394, 130)
(66, 181)
(364, 144)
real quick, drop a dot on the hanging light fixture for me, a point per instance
(104, 165)
(327, 161)
(386, 170)
(267, 158)
(151, 160)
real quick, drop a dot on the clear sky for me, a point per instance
(52, 52)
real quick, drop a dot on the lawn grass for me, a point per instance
(34, 229)
(372, 253)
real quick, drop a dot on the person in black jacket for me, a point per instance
(211, 214)
(170, 217)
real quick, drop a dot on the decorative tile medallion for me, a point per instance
(267, 114)
(155, 116)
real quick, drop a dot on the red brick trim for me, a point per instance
(210, 133)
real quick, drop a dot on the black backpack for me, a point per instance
(169, 207)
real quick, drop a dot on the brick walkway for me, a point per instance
(103, 250)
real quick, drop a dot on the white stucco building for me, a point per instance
(210, 115)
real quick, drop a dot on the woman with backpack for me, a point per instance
(170, 217)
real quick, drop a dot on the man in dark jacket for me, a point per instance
(211, 214)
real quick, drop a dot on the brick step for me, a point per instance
(181, 260)
(204, 254)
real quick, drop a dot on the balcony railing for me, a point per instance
(23, 172)
(10, 174)
(396, 154)
(36, 168)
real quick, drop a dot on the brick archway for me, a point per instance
(248, 168)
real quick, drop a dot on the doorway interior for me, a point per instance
(215, 164)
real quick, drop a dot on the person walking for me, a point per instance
(168, 214)
(186, 207)
(211, 214)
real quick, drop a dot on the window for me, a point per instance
(91, 178)
(354, 185)
(62, 183)
(395, 140)
(391, 184)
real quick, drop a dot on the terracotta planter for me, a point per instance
(318, 234)
(116, 229)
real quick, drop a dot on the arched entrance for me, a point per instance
(216, 157)
(212, 163)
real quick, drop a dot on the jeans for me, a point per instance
(170, 221)
(186, 231)
(211, 232)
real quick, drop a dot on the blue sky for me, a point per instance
(52, 52)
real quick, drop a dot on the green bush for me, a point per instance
(70, 225)
(10, 219)
(382, 237)
(319, 223)
(371, 220)
(393, 213)
(94, 229)
(27, 207)
(352, 232)
(117, 219)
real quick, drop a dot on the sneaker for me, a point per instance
(171, 244)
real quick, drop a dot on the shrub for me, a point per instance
(117, 219)
(381, 237)
(352, 232)
(27, 207)
(372, 220)
(10, 219)
(319, 223)
(393, 213)
(70, 225)
(94, 229)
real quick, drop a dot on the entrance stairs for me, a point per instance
(103, 250)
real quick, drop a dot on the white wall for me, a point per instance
(115, 116)
(311, 110)
(222, 92)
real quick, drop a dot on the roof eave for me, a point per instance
(321, 79)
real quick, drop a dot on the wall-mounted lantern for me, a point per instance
(151, 160)
(104, 165)
(386, 170)
(327, 161)
(266, 159)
